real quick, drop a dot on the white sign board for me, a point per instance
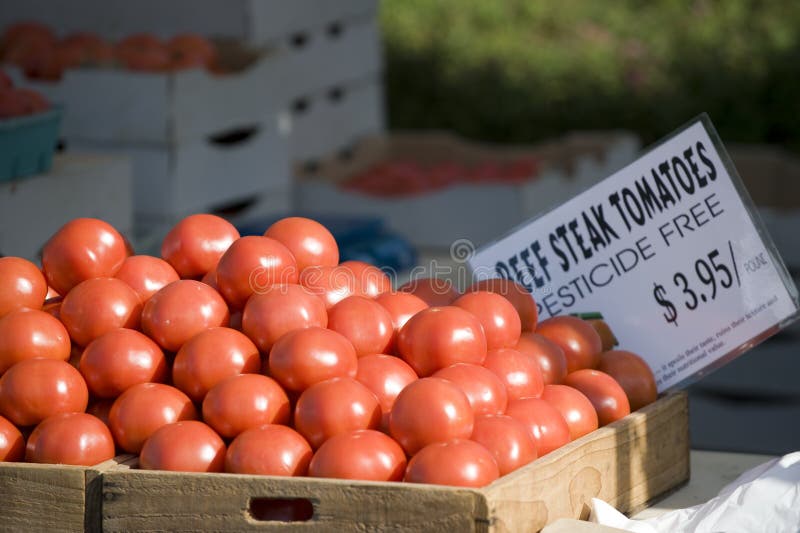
(668, 249)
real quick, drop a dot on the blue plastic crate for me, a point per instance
(27, 144)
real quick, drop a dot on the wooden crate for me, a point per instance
(628, 464)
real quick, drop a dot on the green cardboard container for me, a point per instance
(27, 144)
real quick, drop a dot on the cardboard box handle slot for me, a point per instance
(281, 509)
(234, 137)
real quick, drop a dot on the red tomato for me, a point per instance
(22, 285)
(574, 406)
(307, 356)
(12, 444)
(210, 279)
(364, 322)
(607, 397)
(146, 275)
(96, 306)
(578, 339)
(309, 241)
(120, 359)
(363, 454)
(441, 336)
(210, 357)
(548, 354)
(180, 311)
(519, 373)
(281, 309)
(385, 376)
(188, 446)
(435, 292)
(632, 373)
(401, 306)
(269, 450)
(607, 337)
(30, 334)
(241, 402)
(195, 244)
(485, 391)
(544, 422)
(251, 265)
(35, 389)
(498, 317)
(371, 281)
(82, 249)
(507, 439)
(142, 409)
(332, 284)
(52, 306)
(70, 439)
(458, 462)
(447, 414)
(190, 50)
(515, 293)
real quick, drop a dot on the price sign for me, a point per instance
(670, 251)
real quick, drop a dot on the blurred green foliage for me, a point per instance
(521, 70)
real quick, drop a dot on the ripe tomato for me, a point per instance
(195, 244)
(35, 389)
(371, 281)
(241, 402)
(606, 335)
(281, 309)
(188, 446)
(574, 406)
(544, 422)
(507, 439)
(332, 284)
(364, 322)
(146, 275)
(269, 450)
(82, 249)
(363, 454)
(385, 376)
(210, 357)
(458, 462)
(142, 409)
(441, 336)
(401, 307)
(70, 439)
(485, 391)
(120, 359)
(607, 397)
(433, 291)
(210, 279)
(309, 241)
(447, 414)
(22, 285)
(180, 311)
(96, 306)
(52, 306)
(548, 354)
(251, 265)
(498, 317)
(519, 373)
(30, 334)
(633, 374)
(578, 339)
(515, 293)
(12, 444)
(307, 356)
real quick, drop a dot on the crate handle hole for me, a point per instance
(234, 136)
(281, 509)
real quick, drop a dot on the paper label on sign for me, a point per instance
(667, 249)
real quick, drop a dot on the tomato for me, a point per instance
(35, 389)
(30, 334)
(309, 241)
(210, 357)
(363, 454)
(385, 376)
(120, 359)
(498, 317)
(190, 51)
(607, 397)
(430, 410)
(22, 285)
(97, 306)
(633, 374)
(549, 355)
(578, 339)
(252, 265)
(70, 439)
(241, 402)
(210, 279)
(433, 291)
(332, 284)
(180, 311)
(364, 322)
(485, 391)
(507, 439)
(458, 462)
(12, 444)
(371, 281)
(607, 337)
(146, 275)
(574, 406)
(441, 336)
(515, 293)
(142, 409)
(544, 423)
(82, 249)
(281, 309)
(401, 306)
(188, 446)
(307, 356)
(196, 243)
(269, 450)
(519, 373)
(52, 306)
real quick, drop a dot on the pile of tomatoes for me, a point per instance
(19, 101)
(265, 355)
